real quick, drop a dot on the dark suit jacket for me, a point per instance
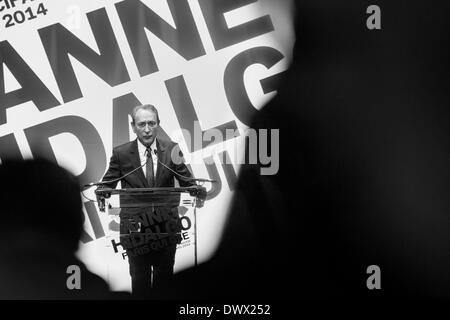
(125, 158)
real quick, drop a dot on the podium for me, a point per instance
(135, 201)
(146, 197)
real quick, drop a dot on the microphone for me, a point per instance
(184, 177)
(100, 183)
(114, 180)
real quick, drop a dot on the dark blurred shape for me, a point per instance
(364, 173)
(41, 224)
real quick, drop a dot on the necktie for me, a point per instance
(149, 168)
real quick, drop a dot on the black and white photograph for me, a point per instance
(224, 158)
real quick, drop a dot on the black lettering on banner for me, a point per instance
(85, 237)
(21, 15)
(228, 170)
(184, 39)
(213, 174)
(41, 9)
(234, 84)
(94, 219)
(31, 15)
(221, 35)
(187, 117)
(108, 65)
(122, 107)
(9, 20)
(38, 138)
(9, 148)
(32, 88)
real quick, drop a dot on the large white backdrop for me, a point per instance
(72, 71)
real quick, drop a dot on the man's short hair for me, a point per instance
(144, 107)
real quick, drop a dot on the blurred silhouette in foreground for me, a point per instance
(41, 224)
(364, 175)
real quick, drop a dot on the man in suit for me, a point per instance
(150, 234)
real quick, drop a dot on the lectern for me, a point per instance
(135, 201)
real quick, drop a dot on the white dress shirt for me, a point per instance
(143, 156)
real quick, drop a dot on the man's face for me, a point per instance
(145, 126)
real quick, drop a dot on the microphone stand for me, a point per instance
(195, 235)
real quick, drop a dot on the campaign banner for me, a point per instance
(71, 71)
